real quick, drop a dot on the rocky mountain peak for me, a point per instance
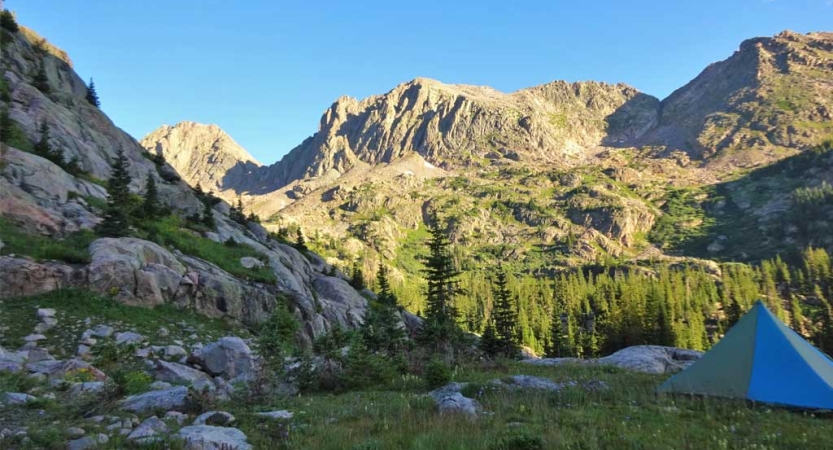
(453, 125)
(770, 98)
(204, 154)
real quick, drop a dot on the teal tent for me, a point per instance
(760, 359)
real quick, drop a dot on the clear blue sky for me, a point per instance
(265, 70)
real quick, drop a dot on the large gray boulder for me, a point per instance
(341, 304)
(139, 272)
(206, 437)
(653, 359)
(449, 400)
(229, 358)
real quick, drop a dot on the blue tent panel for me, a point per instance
(781, 374)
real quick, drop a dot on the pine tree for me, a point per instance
(357, 277)
(42, 147)
(796, 316)
(40, 80)
(6, 125)
(440, 329)
(300, 242)
(386, 295)
(237, 213)
(207, 217)
(150, 204)
(505, 317)
(824, 336)
(73, 166)
(7, 22)
(116, 218)
(382, 330)
(442, 277)
(489, 342)
(92, 95)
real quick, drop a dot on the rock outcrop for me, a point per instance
(653, 359)
(39, 197)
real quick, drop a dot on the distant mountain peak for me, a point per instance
(204, 154)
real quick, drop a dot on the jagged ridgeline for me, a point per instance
(546, 180)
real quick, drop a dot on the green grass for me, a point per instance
(400, 415)
(74, 306)
(72, 249)
(628, 415)
(172, 231)
(18, 139)
(87, 177)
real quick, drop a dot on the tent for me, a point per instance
(760, 359)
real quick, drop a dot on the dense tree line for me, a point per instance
(598, 310)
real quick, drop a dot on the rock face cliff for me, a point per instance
(454, 126)
(39, 199)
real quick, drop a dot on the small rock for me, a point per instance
(178, 342)
(74, 432)
(103, 331)
(251, 262)
(169, 399)
(128, 337)
(206, 437)
(282, 414)
(83, 351)
(34, 338)
(178, 373)
(45, 312)
(173, 351)
(90, 387)
(88, 341)
(40, 354)
(96, 419)
(160, 386)
(176, 416)
(148, 431)
(83, 443)
(46, 324)
(143, 352)
(163, 332)
(19, 398)
(220, 418)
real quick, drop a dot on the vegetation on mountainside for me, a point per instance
(778, 209)
(72, 248)
(92, 95)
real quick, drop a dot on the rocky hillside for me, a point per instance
(772, 97)
(48, 212)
